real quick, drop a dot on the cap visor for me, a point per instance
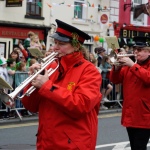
(60, 38)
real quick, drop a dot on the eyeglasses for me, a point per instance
(138, 49)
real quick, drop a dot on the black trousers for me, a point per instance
(138, 137)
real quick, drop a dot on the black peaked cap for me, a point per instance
(141, 41)
(66, 32)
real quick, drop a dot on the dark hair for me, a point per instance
(16, 52)
(99, 50)
(10, 61)
(30, 33)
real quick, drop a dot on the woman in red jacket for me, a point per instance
(135, 78)
(68, 101)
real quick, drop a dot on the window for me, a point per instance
(80, 9)
(33, 8)
(140, 20)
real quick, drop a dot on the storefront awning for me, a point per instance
(20, 30)
(132, 31)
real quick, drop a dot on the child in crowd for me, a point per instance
(11, 66)
(32, 61)
(35, 42)
(20, 76)
(26, 43)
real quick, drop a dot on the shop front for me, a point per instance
(126, 33)
(132, 31)
(13, 33)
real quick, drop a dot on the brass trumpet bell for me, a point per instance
(9, 99)
(114, 56)
(6, 99)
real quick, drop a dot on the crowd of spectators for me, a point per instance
(14, 70)
(109, 91)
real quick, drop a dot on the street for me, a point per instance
(111, 135)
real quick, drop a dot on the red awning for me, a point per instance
(19, 33)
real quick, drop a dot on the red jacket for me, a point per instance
(68, 106)
(136, 94)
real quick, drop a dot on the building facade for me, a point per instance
(17, 18)
(130, 18)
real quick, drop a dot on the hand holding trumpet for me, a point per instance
(125, 61)
(40, 79)
(121, 59)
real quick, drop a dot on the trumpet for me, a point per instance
(114, 56)
(9, 99)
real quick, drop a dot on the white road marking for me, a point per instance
(118, 146)
(112, 144)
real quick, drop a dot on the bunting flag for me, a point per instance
(89, 3)
(61, 3)
(92, 5)
(39, 4)
(77, 7)
(49, 5)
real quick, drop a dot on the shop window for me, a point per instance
(33, 9)
(80, 9)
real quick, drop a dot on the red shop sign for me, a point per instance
(19, 33)
(104, 18)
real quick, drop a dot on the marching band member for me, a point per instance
(67, 101)
(135, 79)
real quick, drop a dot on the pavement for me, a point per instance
(25, 119)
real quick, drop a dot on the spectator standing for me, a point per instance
(93, 60)
(15, 55)
(28, 39)
(11, 66)
(3, 69)
(101, 53)
(135, 78)
(68, 101)
(4, 75)
(26, 43)
(106, 87)
(35, 42)
(20, 76)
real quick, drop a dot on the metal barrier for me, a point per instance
(115, 96)
(19, 77)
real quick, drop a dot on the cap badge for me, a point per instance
(75, 38)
